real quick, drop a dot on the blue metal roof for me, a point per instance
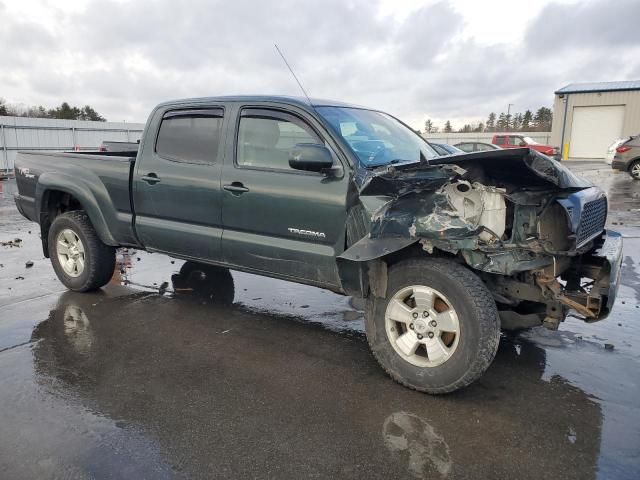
(591, 87)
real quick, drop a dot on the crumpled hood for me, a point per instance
(513, 165)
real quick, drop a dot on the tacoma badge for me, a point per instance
(307, 233)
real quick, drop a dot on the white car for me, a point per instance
(611, 151)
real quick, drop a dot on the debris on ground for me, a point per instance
(19, 277)
(608, 346)
(12, 243)
(163, 287)
(29, 264)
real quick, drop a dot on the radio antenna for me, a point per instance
(292, 73)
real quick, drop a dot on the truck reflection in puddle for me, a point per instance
(205, 282)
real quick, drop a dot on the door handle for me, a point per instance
(151, 178)
(236, 188)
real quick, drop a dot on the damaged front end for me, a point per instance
(531, 229)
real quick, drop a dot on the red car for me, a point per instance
(518, 141)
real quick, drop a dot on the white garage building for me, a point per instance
(588, 117)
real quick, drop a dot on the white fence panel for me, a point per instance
(455, 137)
(23, 133)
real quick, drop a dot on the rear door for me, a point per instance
(276, 219)
(176, 187)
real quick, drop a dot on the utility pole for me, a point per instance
(509, 114)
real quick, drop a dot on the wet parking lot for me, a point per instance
(151, 377)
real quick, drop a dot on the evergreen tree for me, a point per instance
(88, 113)
(447, 127)
(64, 111)
(516, 124)
(527, 118)
(542, 120)
(501, 124)
(428, 126)
(491, 123)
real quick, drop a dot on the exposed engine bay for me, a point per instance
(530, 228)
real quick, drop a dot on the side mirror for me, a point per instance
(311, 157)
(523, 143)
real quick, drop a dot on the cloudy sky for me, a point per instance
(454, 60)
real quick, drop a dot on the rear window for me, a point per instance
(466, 147)
(190, 137)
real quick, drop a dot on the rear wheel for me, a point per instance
(437, 330)
(79, 258)
(634, 170)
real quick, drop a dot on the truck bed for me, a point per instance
(106, 176)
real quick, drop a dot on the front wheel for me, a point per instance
(79, 258)
(437, 330)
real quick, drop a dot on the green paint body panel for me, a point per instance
(187, 214)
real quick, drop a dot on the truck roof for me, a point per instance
(291, 100)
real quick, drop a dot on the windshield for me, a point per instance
(375, 137)
(529, 141)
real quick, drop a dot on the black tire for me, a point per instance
(99, 259)
(634, 169)
(209, 281)
(477, 316)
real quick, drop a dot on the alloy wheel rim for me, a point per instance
(70, 250)
(635, 170)
(422, 326)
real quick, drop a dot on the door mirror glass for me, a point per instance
(310, 157)
(523, 143)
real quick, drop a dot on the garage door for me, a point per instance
(594, 129)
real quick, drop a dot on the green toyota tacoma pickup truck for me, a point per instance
(446, 250)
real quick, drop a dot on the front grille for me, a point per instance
(592, 220)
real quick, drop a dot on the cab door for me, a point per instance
(176, 186)
(278, 220)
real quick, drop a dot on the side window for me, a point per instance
(515, 140)
(264, 139)
(190, 136)
(500, 140)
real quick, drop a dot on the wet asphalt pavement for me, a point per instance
(150, 378)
